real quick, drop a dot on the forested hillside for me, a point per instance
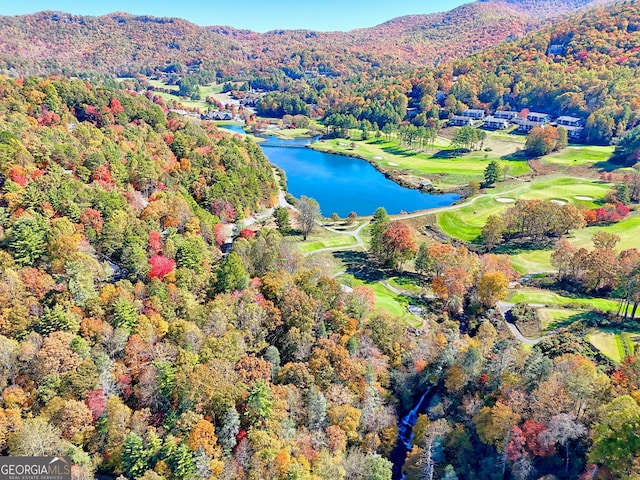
(130, 343)
(586, 66)
(53, 42)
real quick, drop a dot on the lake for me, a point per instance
(343, 184)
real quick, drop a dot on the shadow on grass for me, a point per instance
(517, 156)
(455, 153)
(514, 248)
(401, 152)
(360, 265)
(607, 166)
(589, 318)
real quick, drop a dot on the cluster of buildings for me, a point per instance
(503, 119)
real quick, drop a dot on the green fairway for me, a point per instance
(289, 133)
(205, 91)
(609, 343)
(532, 261)
(628, 230)
(435, 164)
(546, 297)
(580, 155)
(465, 223)
(322, 238)
(386, 299)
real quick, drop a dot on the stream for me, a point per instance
(405, 433)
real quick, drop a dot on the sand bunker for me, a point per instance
(558, 202)
(583, 197)
(393, 164)
(377, 157)
(505, 200)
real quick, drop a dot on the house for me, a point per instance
(574, 132)
(216, 116)
(495, 123)
(527, 125)
(567, 121)
(539, 117)
(473, 113)
(461, 121)
(506, 114)
(555, 49)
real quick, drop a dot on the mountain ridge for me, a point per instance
(120, 43)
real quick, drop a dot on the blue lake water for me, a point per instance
(343, 184)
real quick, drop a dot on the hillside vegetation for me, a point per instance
(51, 42)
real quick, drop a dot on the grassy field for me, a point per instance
(205, 91)
(322, 238)
(466, 223)
(609, 343)
(406, 284)
(531, 261)
(435, 165)
(289, 133)
(386, 299)
(575, 155)
(628, 230)
(549, 298)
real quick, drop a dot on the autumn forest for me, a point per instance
(169, 311)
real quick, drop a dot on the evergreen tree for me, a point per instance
(232, 274)
(228, 430)
(281, 216)
(422, 260)
(181, 462)
(379, 225)
(28, 239)
(491, 173)
(134, 456)
(259, 402)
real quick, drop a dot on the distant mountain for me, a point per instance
(547, 8)
(54, 42)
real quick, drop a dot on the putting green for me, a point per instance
(608, 343)
(465, 223)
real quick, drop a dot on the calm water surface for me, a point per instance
(343, 184)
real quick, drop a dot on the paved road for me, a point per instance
(353, 233)
(504, 307)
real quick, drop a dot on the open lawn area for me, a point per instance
(552, 318)
(531, 261)
(628, 230)
(549, 298)
(289, 133)
(321, 238)
(205, 91)
(614, 343)
(466, 222)
(385, 299)
(436, 165)
(575, 155)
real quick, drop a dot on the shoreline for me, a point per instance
(394, 175)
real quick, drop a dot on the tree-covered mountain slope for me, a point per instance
(54, 42)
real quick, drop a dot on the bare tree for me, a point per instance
(562, 429)
(309, 214)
